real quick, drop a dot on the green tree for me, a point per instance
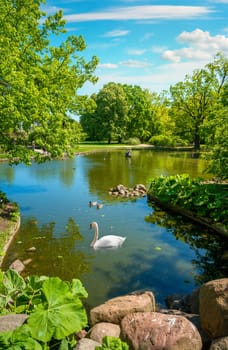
(111, 113)
(139, 112)
(193, 100)
(218, 143)
(39, 82)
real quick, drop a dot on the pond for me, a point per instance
(161, 253)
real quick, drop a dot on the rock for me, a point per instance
(220, 344)
(12, 321)
(115, 309)
(156, 331)
(213, 300)
(194, 318)
(27, 261)
(31, 249)
(17, 265)
(187, 303)
(100, 330)
(139, 190)
(86, 344)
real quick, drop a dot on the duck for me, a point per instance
(109, 241)
(99, 205)
(92, 204)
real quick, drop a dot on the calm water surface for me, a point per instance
(53, 199)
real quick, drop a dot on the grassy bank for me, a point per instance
(9, 225)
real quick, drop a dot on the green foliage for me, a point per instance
(196, 99)
(218, 140)
(206, 200)
(132, 141)
(39, 82)
(162, 140)
(54, 307)
(112, 343)
(19, 339)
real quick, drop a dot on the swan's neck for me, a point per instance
(96, 234)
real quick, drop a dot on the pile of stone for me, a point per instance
(136, 319)
(138, 190)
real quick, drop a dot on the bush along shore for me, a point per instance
(205, 202)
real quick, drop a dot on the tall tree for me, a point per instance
(193, 100)
(218, 142)
(111, 112)
(139, 112)
(39, 82)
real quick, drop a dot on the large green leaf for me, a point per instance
(63, 314)
(13, 281)
(78, 289)
(19, 339)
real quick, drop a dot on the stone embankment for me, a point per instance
(198, 322)
(201, 324)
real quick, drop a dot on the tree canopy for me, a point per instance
(39, 82)
(195, 100)
(124, 112)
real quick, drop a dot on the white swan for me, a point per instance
(109, 241)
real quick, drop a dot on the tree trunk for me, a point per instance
(197, 141)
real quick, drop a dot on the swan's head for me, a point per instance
(93, 225)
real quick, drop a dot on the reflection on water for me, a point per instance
(161, 254)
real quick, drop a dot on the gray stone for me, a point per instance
(17, 265)
(220, 344)
(12, 321)
(100, 330)
(86, 344)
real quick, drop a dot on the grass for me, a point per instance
(90, 147)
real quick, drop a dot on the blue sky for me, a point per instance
(149, 43)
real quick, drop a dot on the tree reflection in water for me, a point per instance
(211, 250)
(55, 255)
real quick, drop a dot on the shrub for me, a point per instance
(132, 141)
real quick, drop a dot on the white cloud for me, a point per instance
(201, 46)
(158, 49)
(160, 78)
(142, 12)
(136, 52)
(108, 65)
(116, 33)
(171, 56)
(135, 64)
(147, 36)
(220, 1)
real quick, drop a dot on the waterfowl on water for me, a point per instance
(109, 241)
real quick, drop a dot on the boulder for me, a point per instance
(115, 309)
(220, 344)
(100, 330)
(11, 321)
(213, 301)
(86, 344)
(17, 265)
(156, 331)
(193, 318)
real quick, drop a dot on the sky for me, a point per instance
(150, 43)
